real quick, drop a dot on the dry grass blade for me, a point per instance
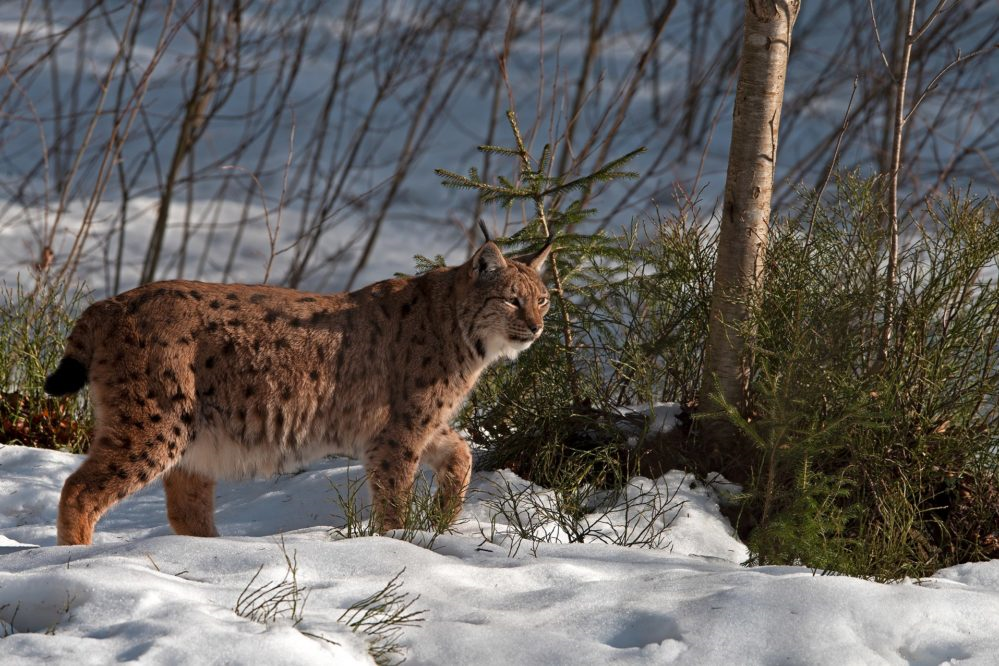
(273, 600)
(381, 617)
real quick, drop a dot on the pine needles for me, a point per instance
(558, 403)
(536, 182)
(872, 461)
(885, 468)
(637, 304)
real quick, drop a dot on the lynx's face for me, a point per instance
(511, 302)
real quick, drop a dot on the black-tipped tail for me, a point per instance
(68, 378)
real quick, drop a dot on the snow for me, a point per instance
(487, 596)
(143, 593)
(659, 417)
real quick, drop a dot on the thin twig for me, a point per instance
(832, 163)
(877, 39)
(273, 237)
(937, 11)
(896, 164)
(931, 86)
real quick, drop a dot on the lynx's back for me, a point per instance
(198, 381)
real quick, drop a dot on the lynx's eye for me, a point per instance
(513, 302)
(543, 301)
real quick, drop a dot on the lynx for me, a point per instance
(195, 382)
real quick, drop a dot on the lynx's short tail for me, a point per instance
(72, 373)
(68, 378)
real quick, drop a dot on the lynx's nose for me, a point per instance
(535, 328)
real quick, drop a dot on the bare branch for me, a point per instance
(929, 20)
(931, 86)
(877, 38)
(832, 163)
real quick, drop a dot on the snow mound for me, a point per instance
(141, 593)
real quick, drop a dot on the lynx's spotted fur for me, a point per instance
(195, 382)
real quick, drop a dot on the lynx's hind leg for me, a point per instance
(131, 447)
(86, 495)
(190, 500)
(449, 457)
(119, 463)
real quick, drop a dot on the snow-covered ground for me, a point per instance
(142, 593)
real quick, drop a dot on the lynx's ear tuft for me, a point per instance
(486, 261)
(485, 232)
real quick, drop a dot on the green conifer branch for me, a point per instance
(537, 185)
(605, 173)
(500, 150)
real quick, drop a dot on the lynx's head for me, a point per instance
(505, 301)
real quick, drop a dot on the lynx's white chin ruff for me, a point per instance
(502, 347)
(514, 347)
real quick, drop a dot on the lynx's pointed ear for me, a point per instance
(538, 259)
(486, 261)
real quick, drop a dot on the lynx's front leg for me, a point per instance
(450, 458)
(391, 462)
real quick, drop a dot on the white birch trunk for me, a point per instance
(742, 238)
